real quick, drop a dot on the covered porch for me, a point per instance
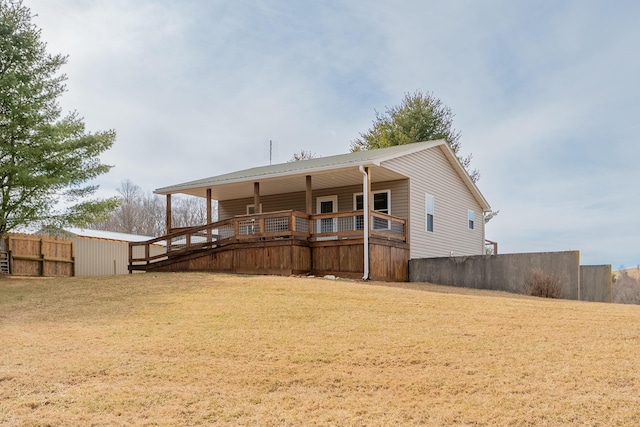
(290, 219)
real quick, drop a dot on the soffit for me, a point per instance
(290, 184)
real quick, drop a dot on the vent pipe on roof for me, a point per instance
(365, 216)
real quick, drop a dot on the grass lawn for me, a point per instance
(205, 349)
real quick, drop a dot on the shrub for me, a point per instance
(541, 284)
(626, 290)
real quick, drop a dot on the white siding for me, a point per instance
(430, 172)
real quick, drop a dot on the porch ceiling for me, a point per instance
(293, 183)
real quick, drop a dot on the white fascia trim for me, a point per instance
(178, 188)
(420, 147)
(467, 179)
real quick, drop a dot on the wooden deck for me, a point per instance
(282, 243)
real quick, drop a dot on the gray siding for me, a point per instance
(279, 202)
(430, 172)
(296, 201)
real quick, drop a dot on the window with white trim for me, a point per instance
(381, 203)
(470, 218)
(429, 212)
(325, 205)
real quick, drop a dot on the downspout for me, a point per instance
(365, 211)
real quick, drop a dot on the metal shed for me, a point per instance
(99, 253)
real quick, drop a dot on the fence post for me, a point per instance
(130, 257)
(41, 272)
(41, 266)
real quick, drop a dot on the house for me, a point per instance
(307, 216)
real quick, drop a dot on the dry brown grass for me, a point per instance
(199, 349)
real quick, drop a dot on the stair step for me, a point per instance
(4, 262)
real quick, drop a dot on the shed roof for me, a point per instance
(107, 235)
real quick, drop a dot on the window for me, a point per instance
(470, 216)
(251, 209)
(429, 209)
(251, 228)
(327, 225)
(324, 205)
(381, 203)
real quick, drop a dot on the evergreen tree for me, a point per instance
(420, 117)
(45, 159)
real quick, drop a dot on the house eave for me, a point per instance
(270, 184)
(306, 167)
(183, 188)
(484, 204)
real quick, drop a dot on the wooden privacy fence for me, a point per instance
(31, 255)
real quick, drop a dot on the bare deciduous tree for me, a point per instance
(626, 288)
(189, 211)
(302, 155)
(144, 214)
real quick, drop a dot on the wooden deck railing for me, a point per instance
(266, 226)
(490, 247)
(351, 224)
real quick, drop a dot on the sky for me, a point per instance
(546, 95)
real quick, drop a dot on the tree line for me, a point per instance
(145, 213)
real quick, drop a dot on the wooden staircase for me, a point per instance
(4, 263)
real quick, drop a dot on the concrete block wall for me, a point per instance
(508, 272)
(595, 283)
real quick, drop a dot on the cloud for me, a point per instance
(545, 94)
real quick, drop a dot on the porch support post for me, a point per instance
(209, 214)
(309, 200)
(209, 208)
(309, 206)
(168, 218)
(256, 198)
(366, 190)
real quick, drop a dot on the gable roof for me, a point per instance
(320, 167)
